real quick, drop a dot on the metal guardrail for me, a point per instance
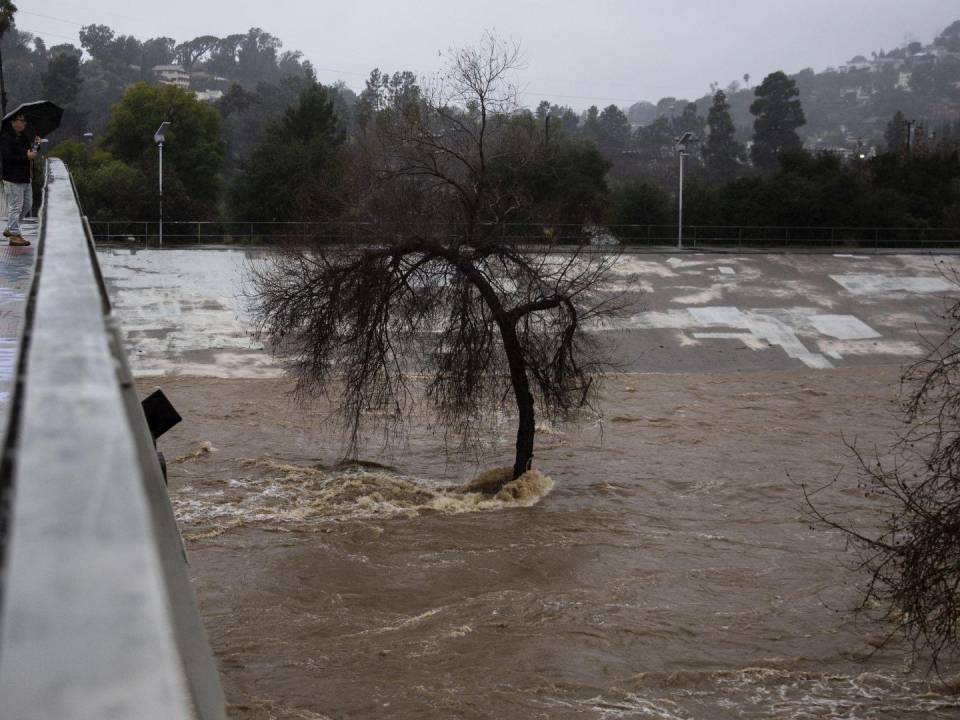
(97, 616)
(694, 236)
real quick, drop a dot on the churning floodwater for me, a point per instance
(658, 565)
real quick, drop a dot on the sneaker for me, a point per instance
(18, 240)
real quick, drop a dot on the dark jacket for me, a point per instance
(13, 148)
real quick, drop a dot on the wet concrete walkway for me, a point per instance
(16, 273)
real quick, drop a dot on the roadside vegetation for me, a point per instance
(872, 143)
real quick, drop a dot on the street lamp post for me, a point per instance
(159, 137)
(682, 142)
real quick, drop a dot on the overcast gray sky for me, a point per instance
(576, 53)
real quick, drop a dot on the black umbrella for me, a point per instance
(43, 117)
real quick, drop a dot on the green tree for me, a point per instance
(97, 40)
(384, 91)
(561, 183)
(613, 131)
(257, 57)
(61, 80)
(61, 83)
(293, 174)
(190, 52)
(949, 39)
(192, 154)
(722, 154)
(108, 188)
(637, 203)
(689, 121)
(590, 127)
(156, 51)
(778, 115)
(896, 133)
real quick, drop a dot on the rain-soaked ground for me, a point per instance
(659, 565)
(16, 274)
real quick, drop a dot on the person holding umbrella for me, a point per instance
(18, 152)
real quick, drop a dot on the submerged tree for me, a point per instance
(438, 284)
(912, 559)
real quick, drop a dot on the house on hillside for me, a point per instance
(857, 63)
(172, 75)
(208, 95)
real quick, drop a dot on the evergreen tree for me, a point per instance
(613, 131)
(61, 83)
(778, 115)
(590, 125)
(293, 174)
(896, 133)
(722, 153)
(689, 121)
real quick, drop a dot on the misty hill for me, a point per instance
(852, 102)
(844, 105)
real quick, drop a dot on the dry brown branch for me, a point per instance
(911, 557)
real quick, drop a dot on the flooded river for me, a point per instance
(658, 566)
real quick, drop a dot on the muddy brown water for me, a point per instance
(667, 571)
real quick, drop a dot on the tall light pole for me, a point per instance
(159, 137)
(682, 142)
(7, 10)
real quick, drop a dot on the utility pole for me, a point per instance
(7, 9)
(3, 86)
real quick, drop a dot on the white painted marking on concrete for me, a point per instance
(839, 348)
(748, 339)
(628, 265)
(843, 327)
(676, 262)
(879, 284)
(727, 270)
(778, 333)
(701, 297)
(761, 326)
(726, 316)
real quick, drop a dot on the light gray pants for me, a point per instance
(19, 204)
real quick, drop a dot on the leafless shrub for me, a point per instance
(911, 557)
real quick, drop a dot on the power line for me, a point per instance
(50, 17)
(41, 33)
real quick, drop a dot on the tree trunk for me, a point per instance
(526, 425)
(526, 428)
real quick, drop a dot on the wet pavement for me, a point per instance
(16, 274)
